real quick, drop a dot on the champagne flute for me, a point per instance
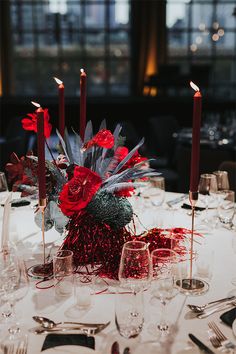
(166, 282)
(207, 191)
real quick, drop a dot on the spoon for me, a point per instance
(83, 329)
(49, 324)
(201, 308)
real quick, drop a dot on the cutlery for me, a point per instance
(225, 342)
(83, 329)
(126, 351)
(172, 202)
(203, 348)
(216, 309)
(201, 308)
(48, 323)
(115, 348)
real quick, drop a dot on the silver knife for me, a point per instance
(203, 348)
(172, 202)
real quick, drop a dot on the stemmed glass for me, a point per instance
(135, 266)
(14, 285)
(207, 191)
(134, 275)
(166, 282)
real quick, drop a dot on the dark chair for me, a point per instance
(230, 167)
(14, 140)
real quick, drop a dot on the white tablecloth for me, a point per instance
(27, 236)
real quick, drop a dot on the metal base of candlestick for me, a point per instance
(41, 271)
(193, 286)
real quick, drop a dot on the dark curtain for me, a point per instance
(148, 21)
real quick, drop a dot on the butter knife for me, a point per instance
(203, 348)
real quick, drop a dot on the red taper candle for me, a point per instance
(83, 78)
(195, 155)
(61, 90)
(41, 154)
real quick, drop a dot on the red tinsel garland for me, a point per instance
(100, 245)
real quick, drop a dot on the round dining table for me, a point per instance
(215, 239)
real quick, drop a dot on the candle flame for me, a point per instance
(35, 104)
(59, 82)
(195, 87)
(82, 71)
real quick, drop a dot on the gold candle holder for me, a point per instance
(192, 286)
(43, 270)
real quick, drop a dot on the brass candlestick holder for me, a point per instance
(43, 270)
(192, 286)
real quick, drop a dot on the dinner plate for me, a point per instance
(70, 349)
(234, 327)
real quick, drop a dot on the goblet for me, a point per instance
(166, 282)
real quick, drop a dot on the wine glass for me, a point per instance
(14, 285)
(207, 191)
(166, 282)
(135, 266)
(134, 275)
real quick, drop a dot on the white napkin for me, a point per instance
(5, 221)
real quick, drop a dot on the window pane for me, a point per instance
(119, 78)
(201, 44)
(95, 16)
(94, 44)
(225, 16)
(224, 45)
(177, 14)
(202, 16)
(96, 78)
(119, 14)
(119, 44)
(177, 43)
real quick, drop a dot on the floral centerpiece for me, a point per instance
(88, 185)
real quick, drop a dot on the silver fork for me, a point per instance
(225, 342)
(22, 347)
(215, 341)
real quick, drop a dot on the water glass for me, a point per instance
(63, 273)
(204, 264)
(159, 186)
(222, 180)
(226, 206)
(83, 282)
(129, 317)
(3, 182)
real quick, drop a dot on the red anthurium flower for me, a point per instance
(30, 123)
(78, 192)
(104, 138)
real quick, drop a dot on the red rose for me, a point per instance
(78, 192)
(104, 138)
(30, 123)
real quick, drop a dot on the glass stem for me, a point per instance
(163, 326)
